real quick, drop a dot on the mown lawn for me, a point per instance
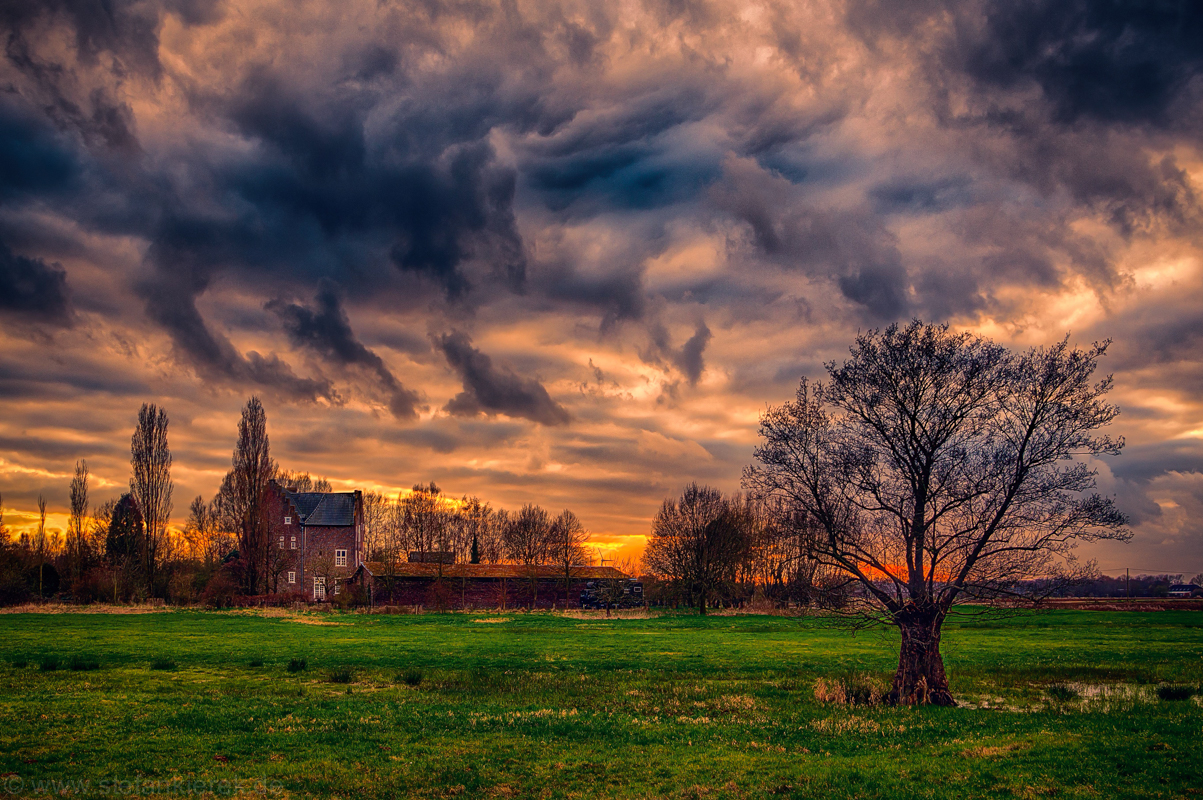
(1060, 704)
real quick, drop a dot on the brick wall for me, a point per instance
(475, 592)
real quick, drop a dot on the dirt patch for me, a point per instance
(95, 608)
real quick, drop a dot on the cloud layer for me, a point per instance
(565, 253)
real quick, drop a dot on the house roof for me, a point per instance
(515, 571)
(331, 509)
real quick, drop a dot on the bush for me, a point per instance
(256, 662)
(163, 664)
(1060, 693)
(411, 677)
(222, 589)
(341, 675)
(82, 664)
(856, 689)
(48, 664)
(1176, 691)
(20, 663)
(297, 665)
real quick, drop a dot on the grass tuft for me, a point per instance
(411, 677)
(297, 665)
(1060, 693)
(1176, 691)
(83, 664)
(256, 662)
(48, 664)
(340, 675)
(856, 689)
(20, 663)
(163, 664)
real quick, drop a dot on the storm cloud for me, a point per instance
(652, 220)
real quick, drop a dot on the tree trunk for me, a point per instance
(920, 678)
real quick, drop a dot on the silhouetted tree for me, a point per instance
(244, 494)
(566, 546)
(699, 541)
(77, 538)
(935, 465)
(150, 483)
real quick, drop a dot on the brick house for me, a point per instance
(317, 540)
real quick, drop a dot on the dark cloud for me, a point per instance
(689, 358)
(492, 390)
(32, 290)
(326, 331)
(1125, 61)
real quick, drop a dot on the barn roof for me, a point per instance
(331, 509)
(515, 571)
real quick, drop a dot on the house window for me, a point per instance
(288, 520)
(338, 588)
(319, 588)
(292, 577)
(281, 542)
(294, 543)
(340, 558)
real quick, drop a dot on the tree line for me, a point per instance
(123, 550)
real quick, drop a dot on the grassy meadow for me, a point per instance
(1062, 703)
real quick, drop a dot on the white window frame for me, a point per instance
(281, 542)
(294, 543)
(319, 588)
(340, 558)
(288, 520)
(338, 588)
(292, 577)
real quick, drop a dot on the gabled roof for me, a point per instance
(331, 509)
(515, 571)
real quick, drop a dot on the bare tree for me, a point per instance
(425, 517)
(150, 484)
(566, 546)
(375, 524)
(527, 540)
(699, 541)
(302, 482)
(40, 543)
(936, 465)
(77, 539)
(244, 493)
(208, 539)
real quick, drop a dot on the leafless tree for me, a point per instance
(244, 493)
(40, 545)
(425, 518)
(375, 524)
(936, 465)
(150, 484)
(567, 541)
(77, 538)
(526, 535)
(302, 482)
(699, 542)
(208, 540)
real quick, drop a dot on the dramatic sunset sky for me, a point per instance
(566, 252)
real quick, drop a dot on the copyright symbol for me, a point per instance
(13, 784)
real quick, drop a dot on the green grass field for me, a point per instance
(1061, 704)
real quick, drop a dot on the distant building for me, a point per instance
(317, 540)
(1186, 590)
(449, 585)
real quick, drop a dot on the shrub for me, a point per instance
(340, 675)
(49, 664)
(20, 663)
(256, 662)
(411, 677)
(1176, 691)
(163, 664)
(856, 689)
(1060, 693)
(297, 664)
(222, 588)
(82, 664)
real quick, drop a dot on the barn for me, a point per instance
(467, 586)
